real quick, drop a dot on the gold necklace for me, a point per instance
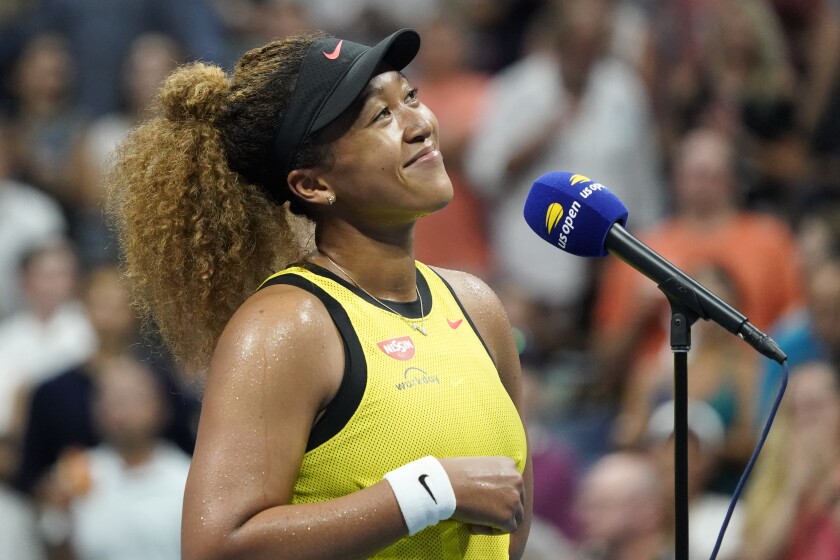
(421, 327)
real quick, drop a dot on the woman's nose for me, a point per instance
(419, 128)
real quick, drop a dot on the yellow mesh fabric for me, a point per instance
(434, 395)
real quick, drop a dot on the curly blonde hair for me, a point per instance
(193, 195)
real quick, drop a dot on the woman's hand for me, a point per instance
(489, 493)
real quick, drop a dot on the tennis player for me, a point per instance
(357, 403)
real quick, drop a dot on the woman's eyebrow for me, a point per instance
(372, 90)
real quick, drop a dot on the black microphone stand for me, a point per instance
(681, 320)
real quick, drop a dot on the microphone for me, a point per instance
(582, 217)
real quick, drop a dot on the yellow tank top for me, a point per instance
(406, 395)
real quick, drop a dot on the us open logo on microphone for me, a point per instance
(573, 213)
(553, 216)
(552, 219)
(577, 178)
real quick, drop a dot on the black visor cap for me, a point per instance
(334, 73)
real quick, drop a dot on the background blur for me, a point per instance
(717, 122)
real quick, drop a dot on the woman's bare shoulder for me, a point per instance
(286, 331)
(475, 295)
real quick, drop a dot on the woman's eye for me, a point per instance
(412, 95)
(383, 113)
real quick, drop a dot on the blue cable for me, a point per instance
(752, 460)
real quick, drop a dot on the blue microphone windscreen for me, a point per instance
(573, 213)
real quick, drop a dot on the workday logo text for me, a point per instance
(414, 376)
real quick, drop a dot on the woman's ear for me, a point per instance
(310, 187)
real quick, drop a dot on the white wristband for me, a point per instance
(423, 492)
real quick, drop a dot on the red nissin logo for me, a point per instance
(398, 348)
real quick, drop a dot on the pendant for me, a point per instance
(417, 327)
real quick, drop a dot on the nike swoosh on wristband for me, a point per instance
(454, 324)
(333, 55)
(422, 478)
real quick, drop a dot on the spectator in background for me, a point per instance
(811, 331)
(621, 510)
(60, 416)
(27, 218)
(818, 235)
(121, 500)
(152, 57)
(791, 502)
(753, 87)
(100, 32)
(499, 30)
(570, 105)
(722, 375)
(554, 526)
(45, 123)
(811, 335)
(363, 20)
(812, 30)
(51, 334)
(707, 509)
(19, 535)
(555, 465)
(455, 237)
(250, 23)
(11, 10)
(724, 65)
(757, 250)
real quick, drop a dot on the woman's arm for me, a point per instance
(277, 365)
(490, 319)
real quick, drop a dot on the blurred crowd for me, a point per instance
(717, 123)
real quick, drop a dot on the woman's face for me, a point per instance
(387, 168)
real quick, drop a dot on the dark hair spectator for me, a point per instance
(60, 416)
(45, 122)
(28, 217)
(99, 34)
(709, 225)
(622, 509)
(121, 499)
(50, 334)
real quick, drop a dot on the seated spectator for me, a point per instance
(60, 416)
(99, 32)
(151, 58)
(19, 535)
(28, 218)
(721, 374)
(752, 82)
(570, 104)
(546, 543)
(726, 65)
(45, 122)
(706, 509)
(757, 250)
(51, 334)
(555, 464)
(791, 501)
(499, 30)
(811, 332)
(121, 500)
(622, 511)
(818, 235)
(812, 30)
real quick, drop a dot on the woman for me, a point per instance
(359, 404)
(792, 506)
